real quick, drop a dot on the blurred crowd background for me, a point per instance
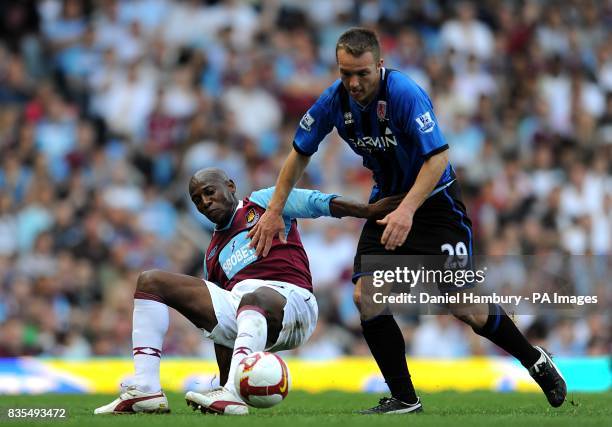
(107, 107)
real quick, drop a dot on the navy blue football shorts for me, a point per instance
(441, 233)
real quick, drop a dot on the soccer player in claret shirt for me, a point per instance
(387, 119)
(244, 304)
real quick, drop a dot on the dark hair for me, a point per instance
(357, 41)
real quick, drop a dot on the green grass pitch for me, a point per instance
(448, 409)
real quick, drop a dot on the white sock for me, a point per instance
(150, 323)
(251, 338)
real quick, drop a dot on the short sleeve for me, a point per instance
(301, 203)
(417, 117)
(314, 126)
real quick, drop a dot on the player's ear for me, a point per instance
(381, 62)
(231, 186)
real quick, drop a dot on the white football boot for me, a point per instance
(217, 401)
(133, 401)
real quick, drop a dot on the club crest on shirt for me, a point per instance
(212, 253)
(425, 122)
(252, 217)
(381, 110)
(348, 118)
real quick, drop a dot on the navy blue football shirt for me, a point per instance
(395, 133)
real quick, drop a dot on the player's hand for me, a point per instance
(268, 226)
(384, 206)
(397, 226)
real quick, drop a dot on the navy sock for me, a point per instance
(502, 331)
(386, 343)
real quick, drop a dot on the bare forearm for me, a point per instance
(290, 173)
(426, 181)
(341, 206)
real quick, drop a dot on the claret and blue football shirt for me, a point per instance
(229, 258)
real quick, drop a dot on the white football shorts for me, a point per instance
(299, 320)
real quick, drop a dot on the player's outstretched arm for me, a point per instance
(303, 203)
(341, 207)
(271, 222)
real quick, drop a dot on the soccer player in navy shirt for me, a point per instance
(389, 121)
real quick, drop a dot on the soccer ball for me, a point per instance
(262, 379)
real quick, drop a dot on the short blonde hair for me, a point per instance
(357, 41)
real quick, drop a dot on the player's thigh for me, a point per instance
(187, 294)
(363, 266)
(368, 245)
(368, 298)
(299, 321)
(441, 226)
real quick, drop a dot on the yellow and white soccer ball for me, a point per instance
(262, 379)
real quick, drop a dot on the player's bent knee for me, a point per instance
(357, 299)
(357, 296)
(271, 303)
(148, 281)
(469, 319)
(252, 299)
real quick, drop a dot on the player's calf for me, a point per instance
(258, 324)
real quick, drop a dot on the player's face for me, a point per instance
(214, 200)
(360, 75)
